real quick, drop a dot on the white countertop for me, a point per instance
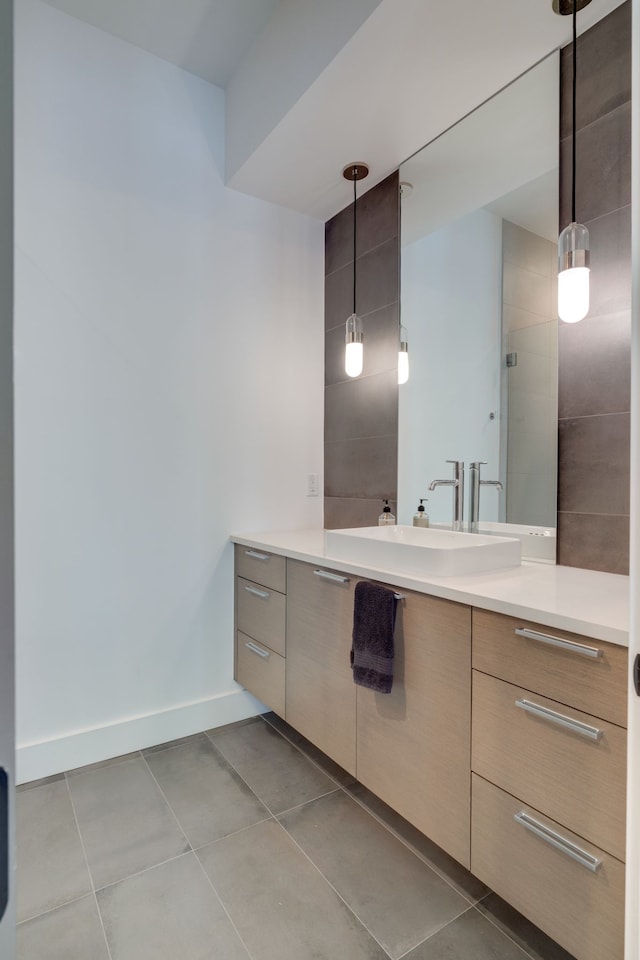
(581, 601)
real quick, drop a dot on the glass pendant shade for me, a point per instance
(573, 273)
(403, 357)
(353, 354)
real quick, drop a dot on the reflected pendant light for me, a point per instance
(573, 243)
(354, 351)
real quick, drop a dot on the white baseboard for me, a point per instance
(43, 759)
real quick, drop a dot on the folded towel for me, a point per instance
(374, 617)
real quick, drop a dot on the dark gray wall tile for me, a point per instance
(342, 512)
(379, 214)
(593, 457)
(378, 277)
(338, 240)
(610, 277)
(377, 282)
(361, 422)
(594, 542)
(338, 297)
(602, 346)
(380, 345)
(594, 357)
(378, 220)
(603, 167)
(363, 407)
(604, 70)
(364, 468)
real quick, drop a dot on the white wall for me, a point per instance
(451, 307)
(7, 750)
(169, 390)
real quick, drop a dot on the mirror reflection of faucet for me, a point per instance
(457, 482)
(474, 493)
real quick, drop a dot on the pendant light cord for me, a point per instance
(573, 105)
(354, 174)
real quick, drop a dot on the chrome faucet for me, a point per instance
(474, 493)
(458, 492)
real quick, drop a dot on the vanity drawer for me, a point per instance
(580, 909)
(562, 770)
(589, 675)
(262, 567)
(261, 672)
(261, 613)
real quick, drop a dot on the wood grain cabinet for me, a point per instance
(260, 609)
(413, 744)
(321, 695)
(548, 785)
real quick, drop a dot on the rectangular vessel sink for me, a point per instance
(420, 551)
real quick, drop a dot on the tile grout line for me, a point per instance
(442, 927)
(332, 887)
(220, 900)
(86, 860)
(526, 953)
(422, 857)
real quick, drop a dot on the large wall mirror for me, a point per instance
(478, 299)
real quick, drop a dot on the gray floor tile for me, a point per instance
(51, 865)
(326, 764)
(282, 907)
(440, 861)
(125, 821)
(397, 896)
(533, 941)
(32, 784)
(207, 796)
(168, 912)
(71, 932)
(470, 936)
(274, 769)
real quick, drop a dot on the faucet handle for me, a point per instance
(457, 462)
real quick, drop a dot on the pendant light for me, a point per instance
(354, 351)
(573, 243)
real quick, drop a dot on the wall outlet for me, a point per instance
(312, 484)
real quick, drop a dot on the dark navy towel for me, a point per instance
(374, 617)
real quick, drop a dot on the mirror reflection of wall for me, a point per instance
(479, 251)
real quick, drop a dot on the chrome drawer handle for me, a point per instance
(580, 648)
(334, 577)
(258, 593)
(556, 840)
(256, 555)
(584, 729)
(254, 649)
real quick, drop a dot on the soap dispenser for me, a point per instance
(421, 517)
(386, 518)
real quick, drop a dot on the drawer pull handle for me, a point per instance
(556, 840)
(584, 729)
(258, 593)
(256, 556)
(580, 648)
(254, 649)
(334, 577)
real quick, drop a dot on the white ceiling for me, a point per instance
(206, 37)
(404, 71)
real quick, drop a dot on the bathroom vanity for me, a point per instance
(504, 737)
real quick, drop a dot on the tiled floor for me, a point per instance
(244, 842)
